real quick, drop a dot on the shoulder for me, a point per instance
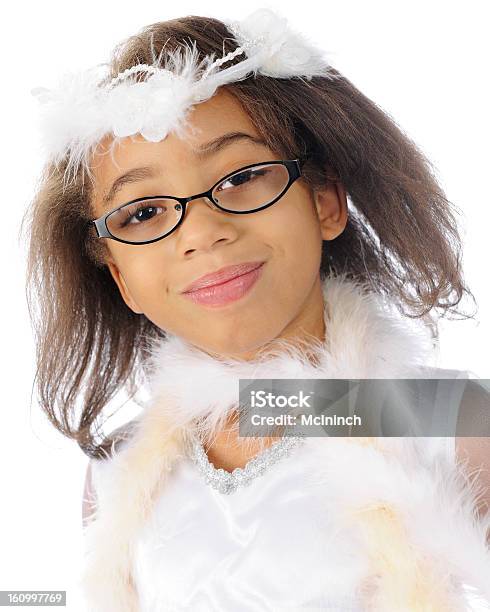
(115, 441)
(471, 395)
(88, 499)
(475, 408)
(473, 437)
(110, 446)
(470, 446)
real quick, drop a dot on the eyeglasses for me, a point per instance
(244, 191)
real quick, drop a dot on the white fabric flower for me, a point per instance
(128, 103)
(167, 100)
(282, 52)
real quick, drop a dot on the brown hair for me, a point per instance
(401, 235)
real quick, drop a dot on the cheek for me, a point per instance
(293, 232)
(303, 246)
(295, 228)
(144, 277)
(146, 286)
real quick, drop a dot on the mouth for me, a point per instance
(225, 292)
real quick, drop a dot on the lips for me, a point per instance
(222, 275)
(227, 293)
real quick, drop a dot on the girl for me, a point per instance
(192, 229)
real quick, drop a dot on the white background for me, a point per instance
(425, 63)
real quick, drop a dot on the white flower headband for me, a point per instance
(85, 108)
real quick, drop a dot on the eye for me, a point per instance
(241, 178)
(140, 213)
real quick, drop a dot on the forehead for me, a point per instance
(220, 114)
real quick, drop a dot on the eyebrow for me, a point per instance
(204, 151)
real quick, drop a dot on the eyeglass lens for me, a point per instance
(244, 191)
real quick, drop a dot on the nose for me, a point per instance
(200, 229)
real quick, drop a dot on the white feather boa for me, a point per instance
(425, 543)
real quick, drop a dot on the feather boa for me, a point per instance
(424, 541)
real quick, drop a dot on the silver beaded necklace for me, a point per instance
(227, 482)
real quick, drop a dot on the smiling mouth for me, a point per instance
(222, 275)
(228, 291)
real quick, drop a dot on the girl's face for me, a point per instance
(286, 300)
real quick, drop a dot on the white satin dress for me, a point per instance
(254, 540)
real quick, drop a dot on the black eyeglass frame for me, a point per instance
(292, 165)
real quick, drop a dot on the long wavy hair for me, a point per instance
(401, 236)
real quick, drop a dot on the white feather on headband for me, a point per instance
(86, 106)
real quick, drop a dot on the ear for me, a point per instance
(123, 289)
(332, 210)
